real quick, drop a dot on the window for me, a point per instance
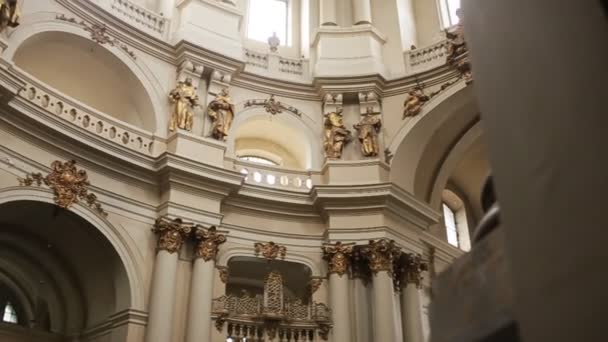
(258, 160)
(450, 225)
(449, 9)
(267, 17)
(10, 315)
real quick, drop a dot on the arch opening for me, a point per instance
(89, 73)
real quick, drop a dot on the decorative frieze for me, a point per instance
(69, 184)
(171, 233)
(270, 250)
(338, 257)
(208, 241)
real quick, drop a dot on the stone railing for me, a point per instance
(277, 177)
(138, 16)
(256, 59)
(102, 125)
(426, 58)
(291, 66)
(253, 306)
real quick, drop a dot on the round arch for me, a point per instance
(134, 74)
(229, 253)
(134, 294)
(293, 133)
(423, 142)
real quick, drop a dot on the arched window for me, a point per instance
(10, 315)
(448, 10)
(455, 220)
(259, 160)
(268, 17)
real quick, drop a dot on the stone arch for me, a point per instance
(145, 89)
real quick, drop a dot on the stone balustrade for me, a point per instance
(60, 106)
(426, 58)
(277, 177)
(139, 17)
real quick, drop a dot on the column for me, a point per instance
(410, 298)
(361, 282)
(362, 12)
(201, 289)
(171, 235)
(328, 13)
(381, 254)
(337, 256)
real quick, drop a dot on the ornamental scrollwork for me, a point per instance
(69, 184)
(272, 106)
(224, 273)
(208, 241)
(413, 268)
(171, 233)
(381, 254)
(270, 250)
(338, 257)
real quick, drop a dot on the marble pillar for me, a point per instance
(362, 12)
(171, 235)
(411, 314)
(338, 259)
(328, 13)
(201, 290)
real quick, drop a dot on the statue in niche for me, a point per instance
(368, 128)
(456, 43)
(184, 100)
(336, 134)
(414, 102)
(9, 14)
(221, 112)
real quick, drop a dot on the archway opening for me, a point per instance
(89, 73)
(66, 276)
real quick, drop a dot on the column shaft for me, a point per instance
(339, 300)
(159, 328)
(385, 325)
(328, 13)
(410, 314)
(362, 311)
(201, 297)
(362, 12)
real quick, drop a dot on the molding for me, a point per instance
(347, 31)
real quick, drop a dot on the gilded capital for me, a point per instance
(413, 268)
(208, 241)
(338, 257)
(171, 233)
(381, 255)
(270, 250)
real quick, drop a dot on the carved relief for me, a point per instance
(184, 100)
(414, 102)
(221, 111)
(338, 257)
(69, 185)
(368, 128)
(272, 106)
(207, 242)
(456, 43)
(171, 233)
(314, 285)
(224, 273)
(381, 255)
(270, 250)
(336, 134)
(10, 15)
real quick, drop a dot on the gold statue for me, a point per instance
(456, 43)
(368, 129)
(336, 134)
(184, 99)
(414, 102)
(221, 112)
(9, 14)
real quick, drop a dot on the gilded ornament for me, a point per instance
(270, 250)
(338, 257)
(315, 284)
(457, 45)
(224, 273)
(381, 254)
(324, 329)
(184, 100)
(336, 134)
(10, 13)
(414, 102)
(69, 184)
(208, 242)
(413, 268)
(368, 128)
(221, 111)
(464, 68)
(220, 321)
(171, 233)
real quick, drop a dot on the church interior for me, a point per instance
(303, 170)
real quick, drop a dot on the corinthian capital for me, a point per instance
(381, 254)
(171, 233)
(208, 241)
(413, 268)
(338, 257)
